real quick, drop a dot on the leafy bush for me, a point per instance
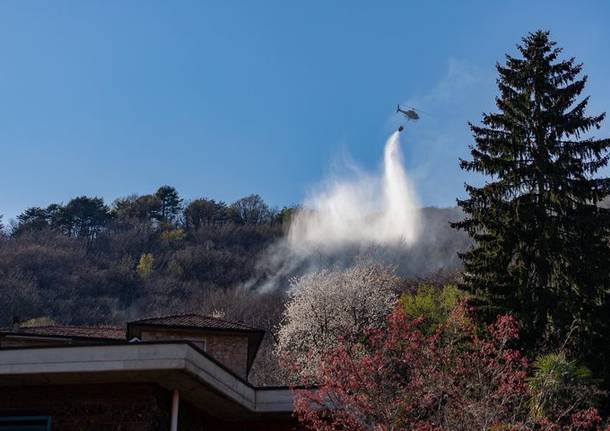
(559, 385)
(432, 304)
(145, 265)
(402, 378)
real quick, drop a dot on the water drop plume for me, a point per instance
(368, 209)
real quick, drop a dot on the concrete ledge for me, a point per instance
(173, 365)
(274, 400)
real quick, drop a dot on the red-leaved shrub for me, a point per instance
(458, 378)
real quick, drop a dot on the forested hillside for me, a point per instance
(87, 262)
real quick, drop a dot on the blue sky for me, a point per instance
(225, 98)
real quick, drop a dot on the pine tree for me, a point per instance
(540, 238)
(170, 203)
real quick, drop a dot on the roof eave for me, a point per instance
(158, 360)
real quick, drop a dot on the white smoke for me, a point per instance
(368, 210)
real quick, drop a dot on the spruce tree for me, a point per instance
(540, 237)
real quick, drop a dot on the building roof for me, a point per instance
(202, 323)
(101, 332)
(195, 321)
(110, 334)
(200, 379)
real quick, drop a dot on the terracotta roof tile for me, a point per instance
(117, 333)
(194, 321)
(104, 332)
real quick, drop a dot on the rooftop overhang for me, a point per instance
(173, 365)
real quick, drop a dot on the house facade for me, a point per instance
(181, 372)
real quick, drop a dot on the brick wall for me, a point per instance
(103, 407)
(231, 349)
(119, 407)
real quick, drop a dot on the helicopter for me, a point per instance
(410, 114)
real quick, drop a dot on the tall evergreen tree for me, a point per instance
(170, 203)
(84, 217)
(32, 219)
(540, 237)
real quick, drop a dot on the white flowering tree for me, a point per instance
(326, 305)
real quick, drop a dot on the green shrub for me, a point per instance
(432, 304)
(145, 265)
(559, 385)
(173, 235)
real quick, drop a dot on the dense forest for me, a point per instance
(87, 262)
